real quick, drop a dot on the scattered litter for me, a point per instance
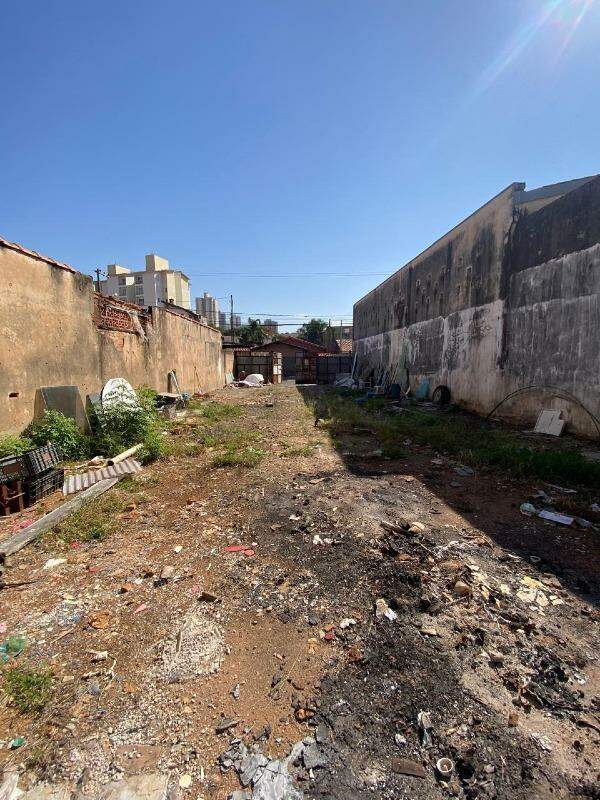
(347, 622)
(18, 741)
(542, 742)
(185, 781)
(226, 724)
(99, 655)
(141, 608)
(270, 779)
(462, 589)
(178, 548)
(12, 647)
(464, 472)
(240, 548)
(561, 489)
(444, 767)
(53, 562)
(425, 727)
(166, 574)
(550, 422)
(208, 597)
(552, 516)
(383, 610)
(528, 509)
(99, 620)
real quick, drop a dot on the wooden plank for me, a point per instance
(15, 543)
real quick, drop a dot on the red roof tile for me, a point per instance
(33, 254)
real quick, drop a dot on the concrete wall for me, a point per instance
(505, 300)
(48, 338)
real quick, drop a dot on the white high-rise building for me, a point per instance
(208, 308)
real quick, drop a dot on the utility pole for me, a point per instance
(98, 271)
(231, 319)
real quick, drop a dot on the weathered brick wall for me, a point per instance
(117, 315)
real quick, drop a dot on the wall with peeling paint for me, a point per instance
(507, 299)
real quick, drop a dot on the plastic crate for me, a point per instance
(42, 459)
(12, 468)
(39, 487)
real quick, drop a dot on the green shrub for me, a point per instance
(121, 427)
(14, 445)
(62, 431)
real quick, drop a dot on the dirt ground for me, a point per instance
(482, 649)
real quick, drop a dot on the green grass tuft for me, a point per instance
(28, 689)
(246, 457)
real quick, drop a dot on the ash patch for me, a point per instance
(196, 649)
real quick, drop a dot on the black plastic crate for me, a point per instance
(42, 459)
(12, 468)
(39, 487)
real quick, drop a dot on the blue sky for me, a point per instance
(284, 137)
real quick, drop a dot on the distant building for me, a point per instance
(208, 308)
(155, 285)
(225, 320)
(294, 352)
(338, 338)
(270, 326)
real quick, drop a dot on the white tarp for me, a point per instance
(253, 380)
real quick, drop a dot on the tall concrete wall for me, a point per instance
(507, 299)
(48, 337)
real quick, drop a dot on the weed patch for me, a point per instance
(215, 412)
(468, 440)
(28, 689)
(306, 450)
(246, 457)
(95, 520)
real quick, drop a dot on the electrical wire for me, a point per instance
(562, 394)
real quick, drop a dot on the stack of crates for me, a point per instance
(43, 476)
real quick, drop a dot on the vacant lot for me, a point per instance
(304, 564)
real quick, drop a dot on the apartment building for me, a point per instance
(157, 284)
(208, 307)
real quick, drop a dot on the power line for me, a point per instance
(294, 316)
(301, 275)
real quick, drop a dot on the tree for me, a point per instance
(252, 333)
(313, 331)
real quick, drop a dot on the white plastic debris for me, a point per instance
(383, 610)
(53, 562)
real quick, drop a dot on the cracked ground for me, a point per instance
(240, 602)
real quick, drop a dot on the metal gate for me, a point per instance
(289, 367)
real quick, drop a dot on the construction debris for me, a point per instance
(79, 481)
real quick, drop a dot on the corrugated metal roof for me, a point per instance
(33, 254)
(75, 483)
